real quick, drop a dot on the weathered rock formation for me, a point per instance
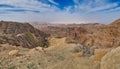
(99, 53)
(91, 35)
(111, 60)
(22, 34)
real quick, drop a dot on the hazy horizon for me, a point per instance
(60, 11)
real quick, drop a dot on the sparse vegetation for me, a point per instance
(31, 66)
(58, 37)
(60, 56)
(5, 39)
(31, 37)
(70, 41)
(45, 43)
(31, 40)
(12, 67)
(63, 53)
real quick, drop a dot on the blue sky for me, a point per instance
(60, 11)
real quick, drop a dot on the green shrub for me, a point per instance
(31, 66)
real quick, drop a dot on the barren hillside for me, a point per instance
(81, 46)
(95, 35)
(21, 34)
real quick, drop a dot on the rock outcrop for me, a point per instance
(14, 53)
(90, 35)
(22, 34)
(99, 53)
(111, 60)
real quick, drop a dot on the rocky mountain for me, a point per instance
(92, 35)
(21, 34)
(72, 46)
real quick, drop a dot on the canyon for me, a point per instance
(59, 46)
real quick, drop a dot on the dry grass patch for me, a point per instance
(57, 41)
(78, 55)
(99, 53)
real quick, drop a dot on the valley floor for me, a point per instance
(55, 57)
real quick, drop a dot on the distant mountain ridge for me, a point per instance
(92, 35)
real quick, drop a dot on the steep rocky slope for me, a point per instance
(21, 34)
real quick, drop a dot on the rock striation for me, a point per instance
(21, 34)
(90, 35)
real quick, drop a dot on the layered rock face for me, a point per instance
(103, 36)
(21, 34)
(91, 35)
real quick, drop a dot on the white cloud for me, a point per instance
(108, 6)
(29, 5)
(114, 9)
(94, 5)
(52, 1)
(50, 13)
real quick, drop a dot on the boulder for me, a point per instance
(39, 48)
(78, 55)
(13, 53)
